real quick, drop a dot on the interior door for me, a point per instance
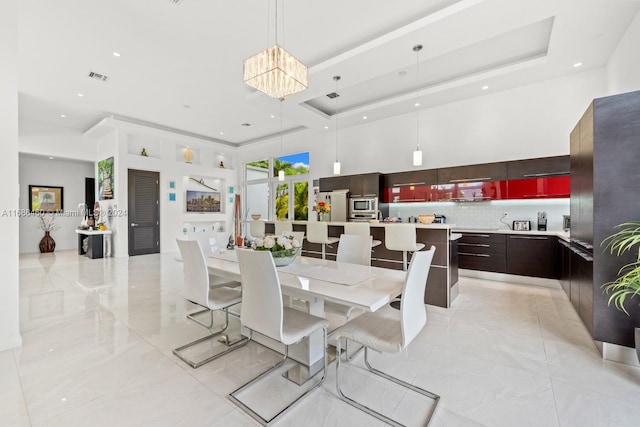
(144, 212)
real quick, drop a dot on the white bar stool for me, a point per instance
(401, 237)
(282, 226)
(318, 232)
(360, 229)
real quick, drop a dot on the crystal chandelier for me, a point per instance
(275, 71)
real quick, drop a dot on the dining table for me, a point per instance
(315, 281)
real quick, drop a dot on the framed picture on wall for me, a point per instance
(203, 201)
(105, 179)
(45, 199)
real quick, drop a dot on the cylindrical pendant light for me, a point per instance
(336, 164)
(417, 154)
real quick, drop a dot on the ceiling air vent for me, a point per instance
(98, 76)
(332, 95)
(246, 124)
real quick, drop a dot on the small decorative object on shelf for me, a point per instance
(143, 153)
(187, 155)
(222, 166)
(284, 249)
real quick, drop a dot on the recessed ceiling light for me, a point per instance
(417, 104)
(272, 116)
(326, 127)
(221, 133)
(485, 87)
(51, 158)
(577, 64)
(116, 54)
(64, 116)
(364, 117)
(81, 95)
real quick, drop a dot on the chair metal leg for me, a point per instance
(324, 254)
(254, 414)
(370, 411)
(404, 260)
(231, 345)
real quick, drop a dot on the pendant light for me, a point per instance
(336, 164)
(281, 171)
(417, 154)
(275, 71)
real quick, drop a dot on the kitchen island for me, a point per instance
(442, 284)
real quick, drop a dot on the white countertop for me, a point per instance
(92, 232)
(382, 224)
(562, 234)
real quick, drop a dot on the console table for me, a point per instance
(95, 244)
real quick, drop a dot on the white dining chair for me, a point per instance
(354, 249)
(391, 331)
(263, 312)
(318, 232)
(198, 290)
(401, 237)
(361, 228)
(256, 229)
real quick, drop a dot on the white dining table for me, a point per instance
(316, 281)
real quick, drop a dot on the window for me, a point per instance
(271, 198)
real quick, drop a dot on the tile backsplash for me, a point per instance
(488, 214)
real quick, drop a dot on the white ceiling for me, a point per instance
(181, 63)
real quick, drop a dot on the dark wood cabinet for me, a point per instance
(532, 255)
(543, 167)
(564, 251)
(604, 176)
(334, 183)
(482, 251)
(473, 173)
(365, 185)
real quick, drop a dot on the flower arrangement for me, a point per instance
(284, 249)
(47, 222)
(323, 207)
(277, 244)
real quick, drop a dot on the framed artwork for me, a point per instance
(203, 201)
(105, 179)
(45, 199)
(172, 184)
(172, 197)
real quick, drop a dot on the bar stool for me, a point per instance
(401, 237)
(256, 229)
(318, 232)
(282, 226)
(360, 229)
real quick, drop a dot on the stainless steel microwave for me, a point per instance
(363, 205)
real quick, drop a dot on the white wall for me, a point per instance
(55, 140)
(9, 315)
(70, 175)
(525, 122)
(124, 141)
(623, 69)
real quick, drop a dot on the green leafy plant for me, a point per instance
(627, 285)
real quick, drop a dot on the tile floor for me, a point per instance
(98, 334)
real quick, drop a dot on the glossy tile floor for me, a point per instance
(98, 334)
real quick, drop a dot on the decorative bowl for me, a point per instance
(286, 257)
(426, 219)
(255, 217)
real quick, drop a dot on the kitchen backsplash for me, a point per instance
(488, 214)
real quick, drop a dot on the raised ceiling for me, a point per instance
(180, 63)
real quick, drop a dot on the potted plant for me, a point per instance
(626, 287)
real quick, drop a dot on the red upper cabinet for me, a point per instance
(542, 178)
(539, 188)
(414, 186)
(473, 191)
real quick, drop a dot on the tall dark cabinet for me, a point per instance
(605, 148)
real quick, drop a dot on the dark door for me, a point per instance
(144, 212)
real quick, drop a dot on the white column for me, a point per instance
(9, 190)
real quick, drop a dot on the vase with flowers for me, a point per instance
(284, 249)
(47, 223)
(323, 209)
